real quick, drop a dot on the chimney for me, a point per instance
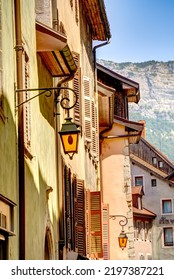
(143, 134)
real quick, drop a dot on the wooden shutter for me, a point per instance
(106, 255)
(95, 147)
(79, 216)
(96, 226)
(87, 107)
(77, 89)
(27, 109)
(88, 224)
(65, 94)
(68, 225)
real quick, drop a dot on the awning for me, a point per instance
(55, 53)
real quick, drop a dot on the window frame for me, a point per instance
(163, 200)
(152, 185)
(163, 237)
(134, 180)
(154, 163)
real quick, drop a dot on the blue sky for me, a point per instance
(141, 30)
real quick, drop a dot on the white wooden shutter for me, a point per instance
(87, 107)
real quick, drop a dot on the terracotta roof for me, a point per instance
(137, 190)
(97, 19)
(143, 212)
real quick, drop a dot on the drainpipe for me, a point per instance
(94, 53)
(95, 84)
(21, 171)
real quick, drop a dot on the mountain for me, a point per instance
(156, 105)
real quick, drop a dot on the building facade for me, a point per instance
(46, 198)
(116, 134)
(153, 171)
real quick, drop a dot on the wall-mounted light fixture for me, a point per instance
(122, 238)
(69, 132)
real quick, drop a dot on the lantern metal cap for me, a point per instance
(69, 127)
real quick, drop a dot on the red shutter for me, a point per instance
(106, 253)
(79, 216)
(96, 225)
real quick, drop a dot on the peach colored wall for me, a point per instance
(114, 155)
(144, 248)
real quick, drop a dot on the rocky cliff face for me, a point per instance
(156, 106)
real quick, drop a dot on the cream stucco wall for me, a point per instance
(40, 171)
(8, 131)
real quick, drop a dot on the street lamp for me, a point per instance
(122, 238)
(69, 137)
(69, 132)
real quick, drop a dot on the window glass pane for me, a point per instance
(154, 160)
(167, 206)
(168, 236)
(153, 182)
(139, 181)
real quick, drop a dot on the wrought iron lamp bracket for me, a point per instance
(49, 92)
(123, 222)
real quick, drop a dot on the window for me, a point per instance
(139, 203)
(167, 206)
(153, 183)
(147, 231)
(139, 229)
(138, 180)
(160, 164)
(3, 247)
(141, 256)
(154, 161)
(168, 236)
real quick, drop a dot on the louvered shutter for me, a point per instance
(77, 89)
(65, 94)
(88, 224)
(27, 109)
(106, 255)
(68, 226)
(94, 129)
(79, 216)
(96, 225)
(87, 106)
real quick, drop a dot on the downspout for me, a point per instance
(95, 88)
(59, 172)
(94, 54)
(21, 168)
